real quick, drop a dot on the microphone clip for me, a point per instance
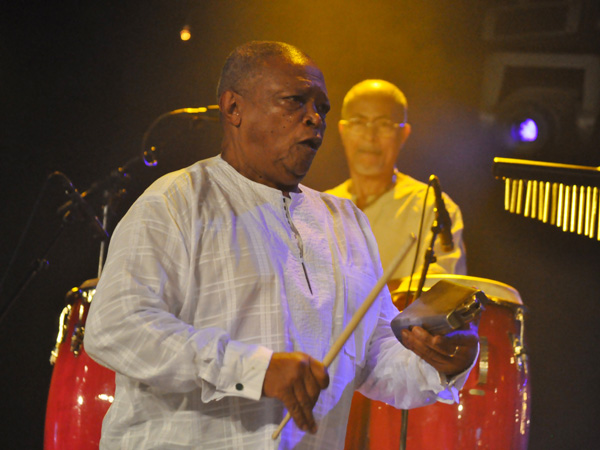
(78, 209)
(442, 224)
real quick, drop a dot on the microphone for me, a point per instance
(210, 113)
(78, 204)
(442, 217)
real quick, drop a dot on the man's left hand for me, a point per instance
(450, 354)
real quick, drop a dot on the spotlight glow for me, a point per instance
(525, 131)
(185, 33)
(528, 130)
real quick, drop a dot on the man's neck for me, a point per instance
(232, 157)
(367, 189)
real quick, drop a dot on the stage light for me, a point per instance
(185, 34)
(525, 131)
(542, 106)
(535, 122)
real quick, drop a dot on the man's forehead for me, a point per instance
(278, 72)
(366, 101)
(292, 67)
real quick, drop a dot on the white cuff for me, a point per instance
(242, 374)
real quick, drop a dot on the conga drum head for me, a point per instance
(495, 291)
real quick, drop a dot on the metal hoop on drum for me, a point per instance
(494, 405)
(80, 390)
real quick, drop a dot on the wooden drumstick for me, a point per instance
(358, 315)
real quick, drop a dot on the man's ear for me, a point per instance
(404, 133)
(230, 106)
(342, 130)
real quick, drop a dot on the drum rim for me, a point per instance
(89, 284)
(514, 300)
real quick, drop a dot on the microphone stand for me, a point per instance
(113, 189)
(429, 256)
(105, 210)
(74, 209)
(427, 260)
(36, 267)
(77, 208)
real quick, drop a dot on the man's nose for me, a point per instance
(312, 116)
(371, 131)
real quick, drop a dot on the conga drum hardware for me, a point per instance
(63, 323)
(80, 390)
(81, 298)
(79, 328)
(519, 342)
(484, 363)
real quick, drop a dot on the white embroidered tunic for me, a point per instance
(209, 273)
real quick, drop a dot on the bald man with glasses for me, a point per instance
(374, 129)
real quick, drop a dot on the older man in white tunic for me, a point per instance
(227, 282)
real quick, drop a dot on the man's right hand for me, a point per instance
(297, 380)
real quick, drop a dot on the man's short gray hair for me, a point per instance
(242, 64)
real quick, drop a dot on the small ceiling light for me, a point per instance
(185, 34)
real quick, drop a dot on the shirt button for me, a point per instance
(239, 386)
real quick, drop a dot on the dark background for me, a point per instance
(80, 83)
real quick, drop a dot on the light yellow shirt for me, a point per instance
(397, 213)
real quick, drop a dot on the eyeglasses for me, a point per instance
(382, 127)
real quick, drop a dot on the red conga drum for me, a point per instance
(81, 390)
(494, 407)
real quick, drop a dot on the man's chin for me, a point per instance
(289, 178)
(368, 170)
(300, 168)
(296, 177)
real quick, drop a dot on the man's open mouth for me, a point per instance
(313, 143)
